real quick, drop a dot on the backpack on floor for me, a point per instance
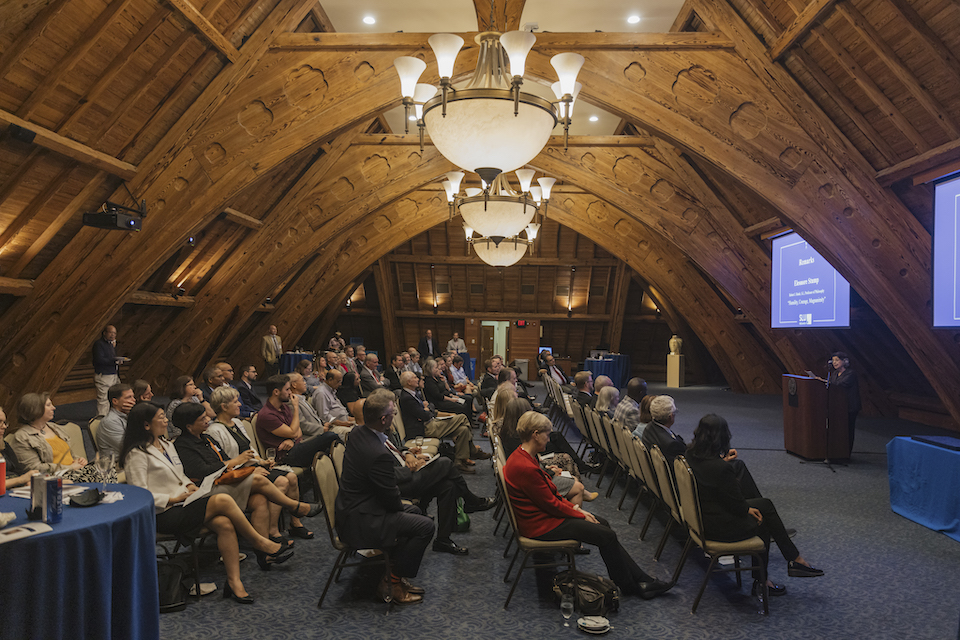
(593, 596)
(173, 595)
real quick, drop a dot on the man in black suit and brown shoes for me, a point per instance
(369, 512)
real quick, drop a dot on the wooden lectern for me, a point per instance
(814, 419)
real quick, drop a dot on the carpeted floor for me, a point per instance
(886, 577)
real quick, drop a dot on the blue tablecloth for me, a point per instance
(925, 484)
(290, 360)
(93, 576)
(617, 367)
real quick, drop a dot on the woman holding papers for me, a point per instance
(152, 462)
(202, 455)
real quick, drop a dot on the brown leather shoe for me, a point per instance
(402, 596)
(463, 467)
(480, 454)
(411, 588)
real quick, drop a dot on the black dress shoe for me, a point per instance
(774, 590)
(484, 505)
(797, 570)
(791, 533)
(449, 546)
(650, 590)
(228, 593)
(582, 551)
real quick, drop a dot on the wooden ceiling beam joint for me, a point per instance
(203, 26)
(801, 26)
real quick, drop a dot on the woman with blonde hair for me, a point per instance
(505, 393)
(543, 514)
(607, 400)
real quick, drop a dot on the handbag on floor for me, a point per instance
(593, 595)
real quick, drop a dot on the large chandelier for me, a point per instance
(500, 214)
(490, 126)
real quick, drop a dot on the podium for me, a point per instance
(814, 419)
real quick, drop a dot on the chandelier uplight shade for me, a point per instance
(500, 252)
(485, 134)
(490, 126)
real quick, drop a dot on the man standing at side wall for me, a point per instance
(106, 367)
(271, 349)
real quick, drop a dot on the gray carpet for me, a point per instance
(886, 577)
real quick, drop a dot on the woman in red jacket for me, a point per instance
(544, 515)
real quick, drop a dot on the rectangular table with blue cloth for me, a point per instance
(290, 360)
(617, 367)
(93, 576)
(925, 484)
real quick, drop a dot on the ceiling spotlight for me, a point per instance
(631, 19)
(191, 241)
(594, 119)
(372, 20)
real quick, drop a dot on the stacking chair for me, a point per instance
(631, 466)
(693, 519)
(667, 493)
(325, 477)
(650, 478)
(194, 548)
(530, 545)
(75, 434)
(613, 434)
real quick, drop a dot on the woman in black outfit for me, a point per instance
(349, 395)
(201, 455)
(727, 515)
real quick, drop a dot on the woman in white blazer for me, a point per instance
(151, 462)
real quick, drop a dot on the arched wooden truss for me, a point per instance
(739, 127)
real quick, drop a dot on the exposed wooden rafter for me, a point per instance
(71, 148)
(400, 258)
(15, 286)
(241, 219)
(546, 42)
(207, 30)
(943, 156)
(153, 299)
(800, 27)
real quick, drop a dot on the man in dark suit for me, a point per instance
(583, 382)
(428, 346)
(663, 410)
(490, 379)
(392, 373)
(250, 402)
(370, 378)
(368, 509)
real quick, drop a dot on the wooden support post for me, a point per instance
(381, 275)
(621, 286)
(241, 218)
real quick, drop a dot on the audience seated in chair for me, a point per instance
(728, 515)
(628, 409)
(41, 445)
(542, 514)
(184, 390)
(278, 427)
(151, 462)
(112, 426)
(250, 402)
(15, 475)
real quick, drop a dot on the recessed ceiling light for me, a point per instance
(372, 20)
(633, 19)
(594, 118)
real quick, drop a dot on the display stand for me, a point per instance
(675, 371)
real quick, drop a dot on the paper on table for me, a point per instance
(24, 530)
(205, 487)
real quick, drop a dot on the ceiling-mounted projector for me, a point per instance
(116, 216)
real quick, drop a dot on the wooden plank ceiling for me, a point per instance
(264, 142)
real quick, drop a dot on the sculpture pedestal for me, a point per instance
(675, 372)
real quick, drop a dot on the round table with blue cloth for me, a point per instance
(93, 576)
(617, 367)
(290, 360)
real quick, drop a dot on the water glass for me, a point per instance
(566, 608)
(420, 441)
(104, 465)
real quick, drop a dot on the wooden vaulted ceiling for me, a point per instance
(253, 128)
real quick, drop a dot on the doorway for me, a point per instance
(493, 340)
